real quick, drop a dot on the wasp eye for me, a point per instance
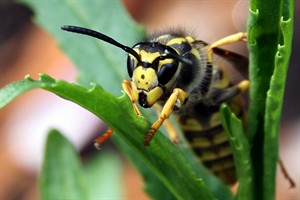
(166, 72)
(131, 64)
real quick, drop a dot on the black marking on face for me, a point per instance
(143, 100)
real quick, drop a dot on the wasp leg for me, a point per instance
(177, 95)
(102, 138)
(171, 130)
(286, 174)
(229, 93)
(127, 88)
(226, 40)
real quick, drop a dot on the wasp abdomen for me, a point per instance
(203, 129)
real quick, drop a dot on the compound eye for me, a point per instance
(166, 72)
(131, 64)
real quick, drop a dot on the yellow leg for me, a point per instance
(127, 88)
(178, 94)
(243, 85)
(228, 93)
(171, 130)
(227, 40)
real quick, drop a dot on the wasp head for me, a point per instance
(151, 65)
(154, 69)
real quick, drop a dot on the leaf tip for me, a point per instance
(46, 78)
(28, 77)
(53, 133)
(254, 12)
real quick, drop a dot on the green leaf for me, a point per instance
(153, 185)
(62, 176)
(274, 100)
(11, 91)
(156, 188)
(163, 158)
(104, 174)
(241, 151)
(95, 60)
(270, 35)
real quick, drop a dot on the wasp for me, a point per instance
(178, 72)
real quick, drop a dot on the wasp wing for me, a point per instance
(235, 65)
(239, 62)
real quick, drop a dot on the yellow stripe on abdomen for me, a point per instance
(210, 143)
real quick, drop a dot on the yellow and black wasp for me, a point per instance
(177, 72)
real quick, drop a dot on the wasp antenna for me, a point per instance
(178, 58)
(95, 34)
(183, 59)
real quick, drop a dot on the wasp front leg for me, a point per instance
(128, 90)
(171, 130)
(177, 95)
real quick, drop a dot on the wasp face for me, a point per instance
(145, 86)
(154, 69)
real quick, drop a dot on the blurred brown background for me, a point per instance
(26, 49)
